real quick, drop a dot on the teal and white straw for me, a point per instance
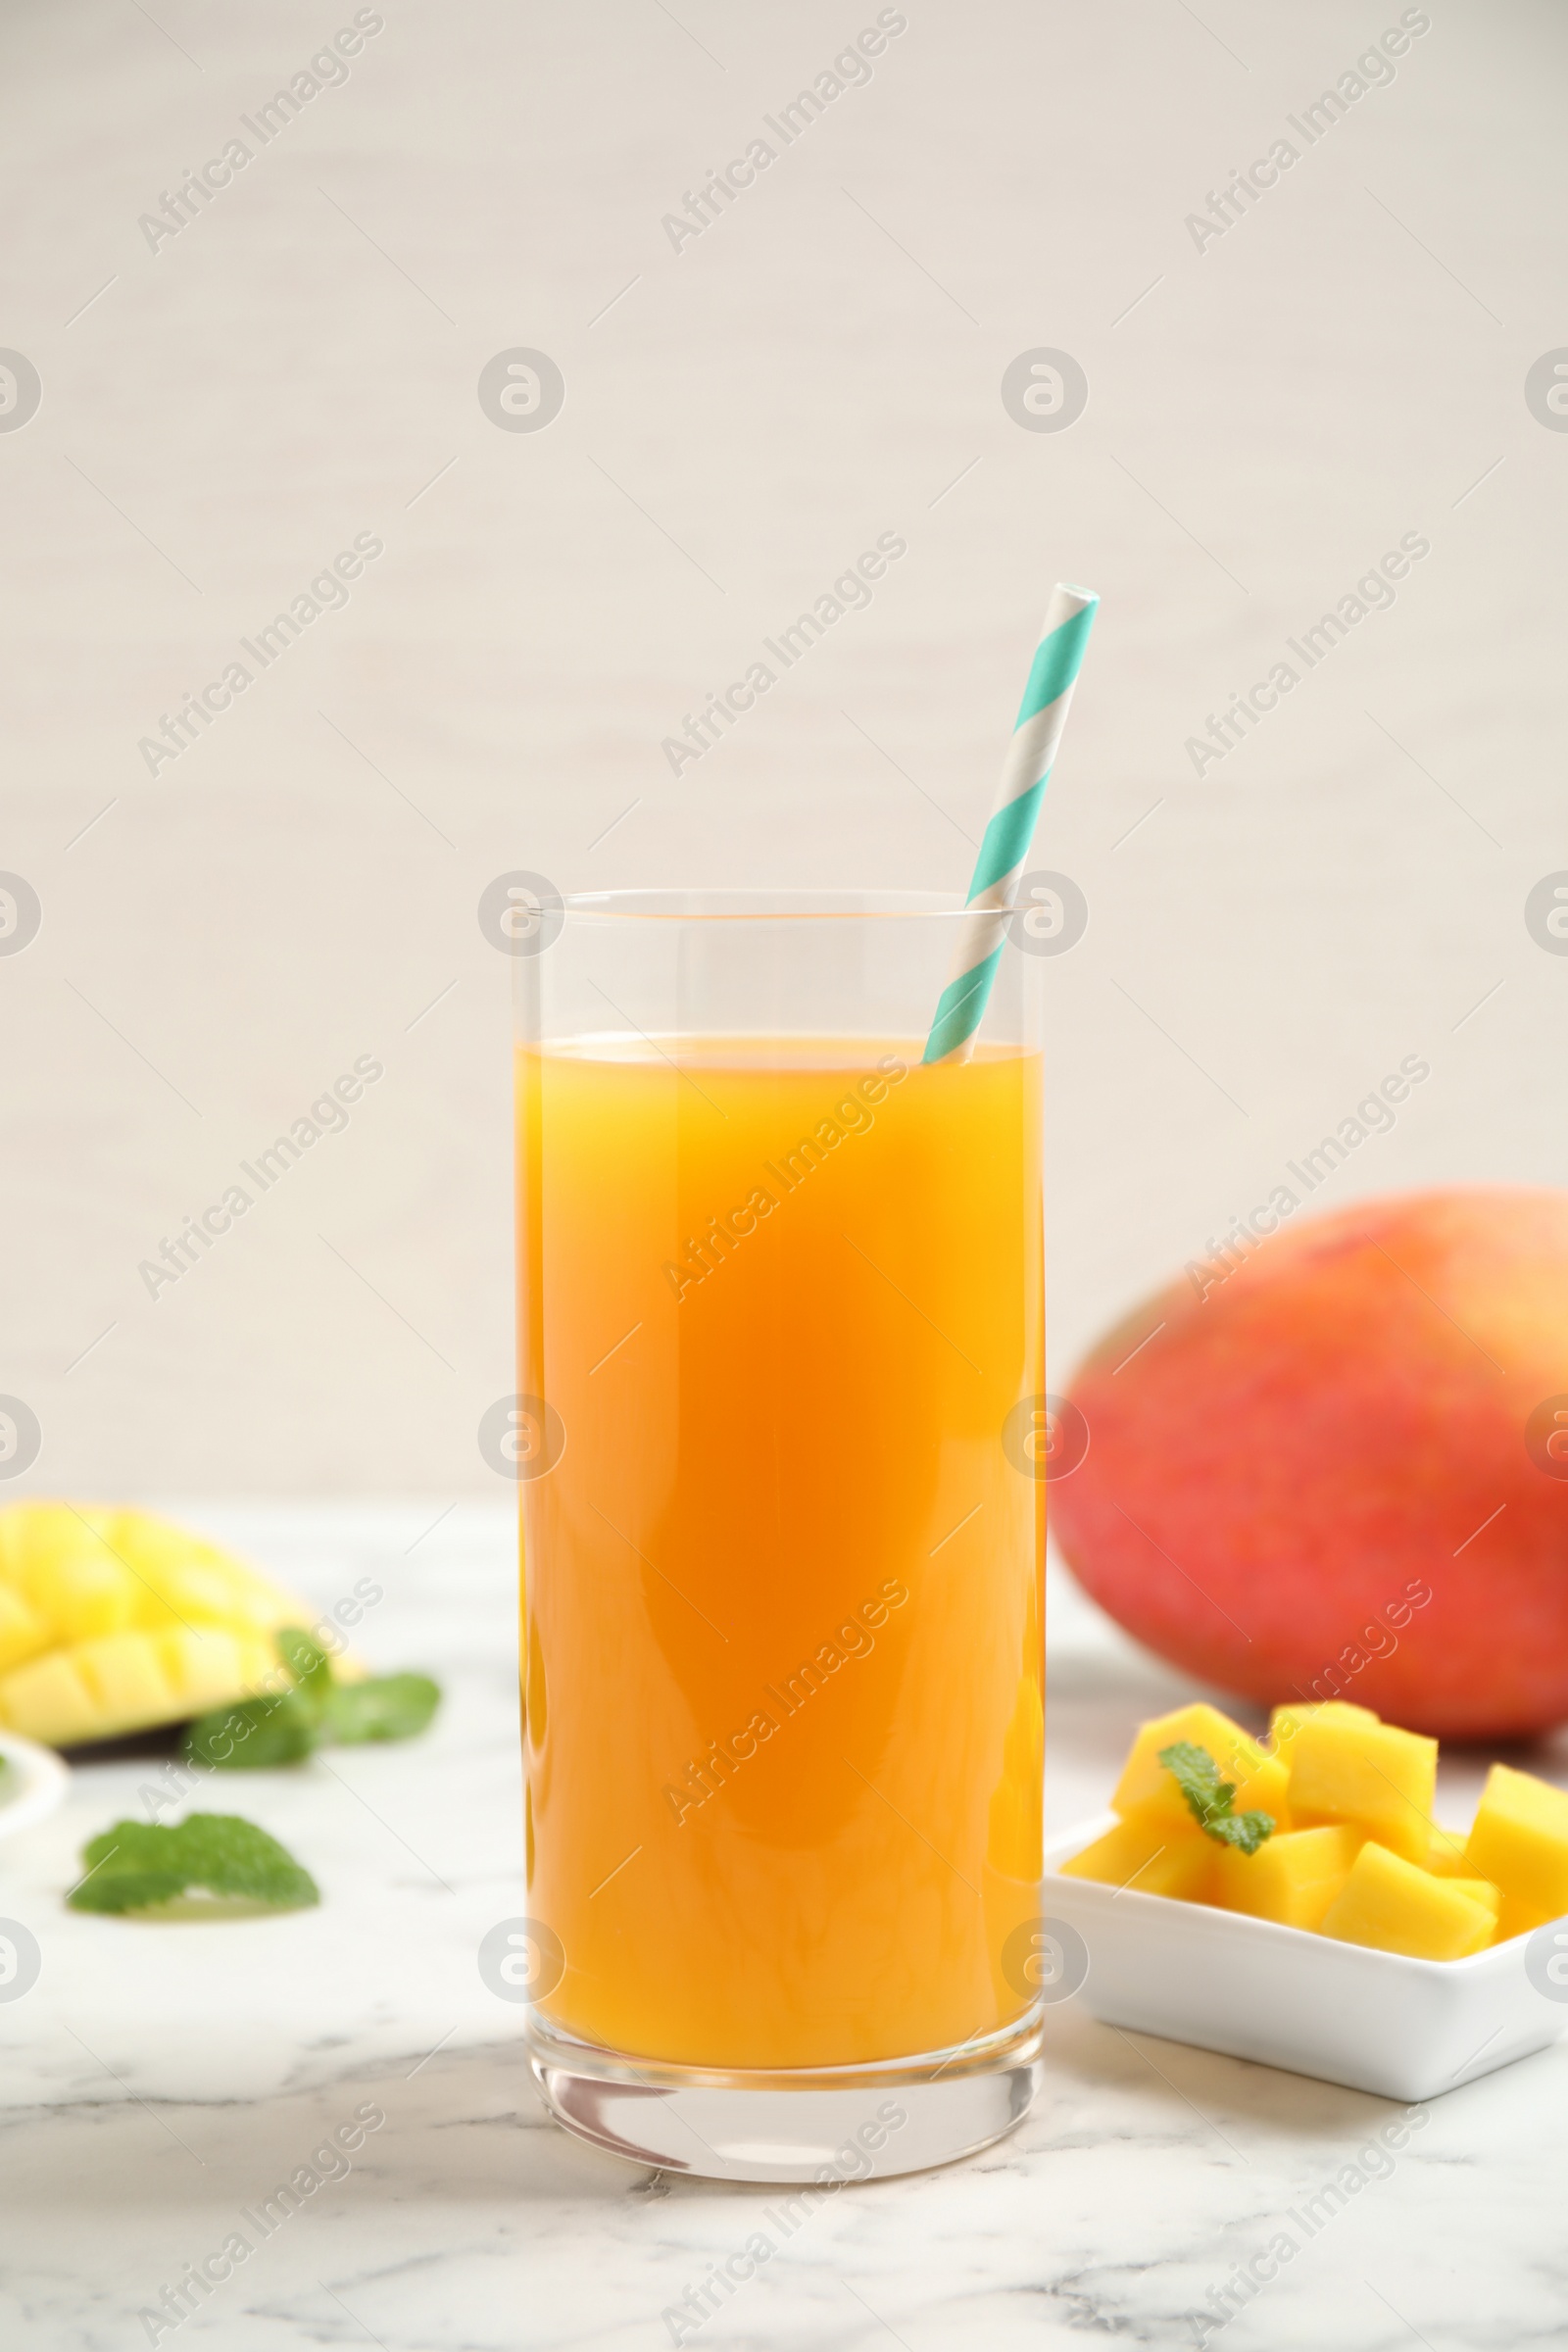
(1031, 754)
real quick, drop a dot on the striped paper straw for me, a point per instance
(1041, 715)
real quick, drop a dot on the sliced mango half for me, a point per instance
(112, 1621)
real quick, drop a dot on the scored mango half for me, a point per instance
(114, 1621)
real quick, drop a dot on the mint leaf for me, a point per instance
(1244, 1830)
(251, 1735)
(307, 1663)
(1196, 1776)
(136, 1863)
(1211, 1800)
(389, 1706)
(256, 1733)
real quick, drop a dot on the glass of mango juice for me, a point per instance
(780, 1318)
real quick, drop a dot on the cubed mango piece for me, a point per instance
(35, 1534)
(1446, 1854)
(126, 1679)
(1396, 1906)
(1519, 1840)
(201, 1592)
(203, 1666)
(1519, 1919)
(1267, 1791)
(188, 1580)
(47, 1699)
(1151, 1855)
(261, 1675)
(1285, 1722)
(1381, 1779)
(65, 1568)
(1147, 1786)
(1480, 1891)
(22, 1632)
(1291, 1878)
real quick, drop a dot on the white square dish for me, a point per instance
(1375, 2021)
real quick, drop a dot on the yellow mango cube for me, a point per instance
(41, 1534)
(1285, 1722)
(1446, 1854)
(22, 1632)
(1153, 1856)
(261, 1674)
(47, 1699)
(1519, 1919)
(1147, 1786)
(67, 1570)
(199, 1592)
(184, 1579)
(1293, 1878)
(1519, 1840)
(1394, 1905)
(1482, 1891)
(1381, 1779)
(203, 1666)
(126, 1679)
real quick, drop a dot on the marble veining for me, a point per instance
(156, 2090)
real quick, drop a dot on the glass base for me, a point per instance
(827, 2125)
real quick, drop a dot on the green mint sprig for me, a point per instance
(388, 1706)
(1211, 1800)
(256, 1733)
(139, 1862)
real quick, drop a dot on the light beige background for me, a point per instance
(1266, 416)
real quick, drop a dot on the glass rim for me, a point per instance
(759, 905)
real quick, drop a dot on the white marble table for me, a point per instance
(157, 2085)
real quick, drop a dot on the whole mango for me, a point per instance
(112, 1621)
(1338, 1467)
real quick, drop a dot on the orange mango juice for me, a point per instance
(782, 1619)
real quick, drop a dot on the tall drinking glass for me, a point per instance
(781, 1356)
